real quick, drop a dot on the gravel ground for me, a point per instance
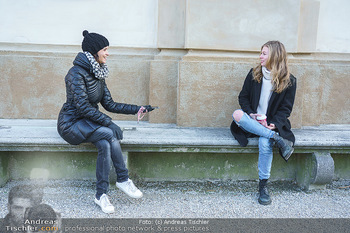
(207, 199)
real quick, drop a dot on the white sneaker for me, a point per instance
(129, 188)
(105, 205)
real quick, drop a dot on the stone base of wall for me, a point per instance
(190, 87)
(159, 166)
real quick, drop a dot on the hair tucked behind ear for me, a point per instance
(277, 64)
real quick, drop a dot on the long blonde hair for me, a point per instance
(277, 64)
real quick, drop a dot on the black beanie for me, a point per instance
(93, 42)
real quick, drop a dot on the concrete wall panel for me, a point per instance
(171, 23)
(32, 83)
(131, 23)
(241, 24)
(209, 85)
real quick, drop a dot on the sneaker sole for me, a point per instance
(107, 212)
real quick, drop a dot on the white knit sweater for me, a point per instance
(266, 91)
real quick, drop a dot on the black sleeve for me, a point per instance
(111, 106)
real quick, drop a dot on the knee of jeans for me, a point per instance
(237, 115)
(108, 131)
(115, 143)
(103, 145)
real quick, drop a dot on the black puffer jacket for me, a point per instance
(80, 116)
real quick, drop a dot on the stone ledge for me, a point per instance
(16, 134)
(315, 170)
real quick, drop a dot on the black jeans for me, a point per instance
(108, 148)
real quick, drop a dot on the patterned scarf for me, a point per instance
(100, 70)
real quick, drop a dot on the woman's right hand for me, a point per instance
(254, 115)
(147, 108)
(263, 123)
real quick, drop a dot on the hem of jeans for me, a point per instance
(122, 180)
(99, 195)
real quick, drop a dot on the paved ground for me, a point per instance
(208, 199)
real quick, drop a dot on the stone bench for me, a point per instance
(313, 171)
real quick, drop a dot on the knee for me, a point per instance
(103, 145)
(107, 132)
(115, 144)
(237, 115)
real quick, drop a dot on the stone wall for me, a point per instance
(191, 87)
(189, 57)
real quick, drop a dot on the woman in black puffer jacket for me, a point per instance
(81, 121)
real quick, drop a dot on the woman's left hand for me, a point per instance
(271, 126)
(117, 132)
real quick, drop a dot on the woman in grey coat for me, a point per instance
(81, 121)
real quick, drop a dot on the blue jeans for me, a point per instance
(108, 148)
(265, 143)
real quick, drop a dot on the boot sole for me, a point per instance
(264, 203)
(286, 157)
(289, 154)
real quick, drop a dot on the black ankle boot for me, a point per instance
(285, 147)
(264, 197)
